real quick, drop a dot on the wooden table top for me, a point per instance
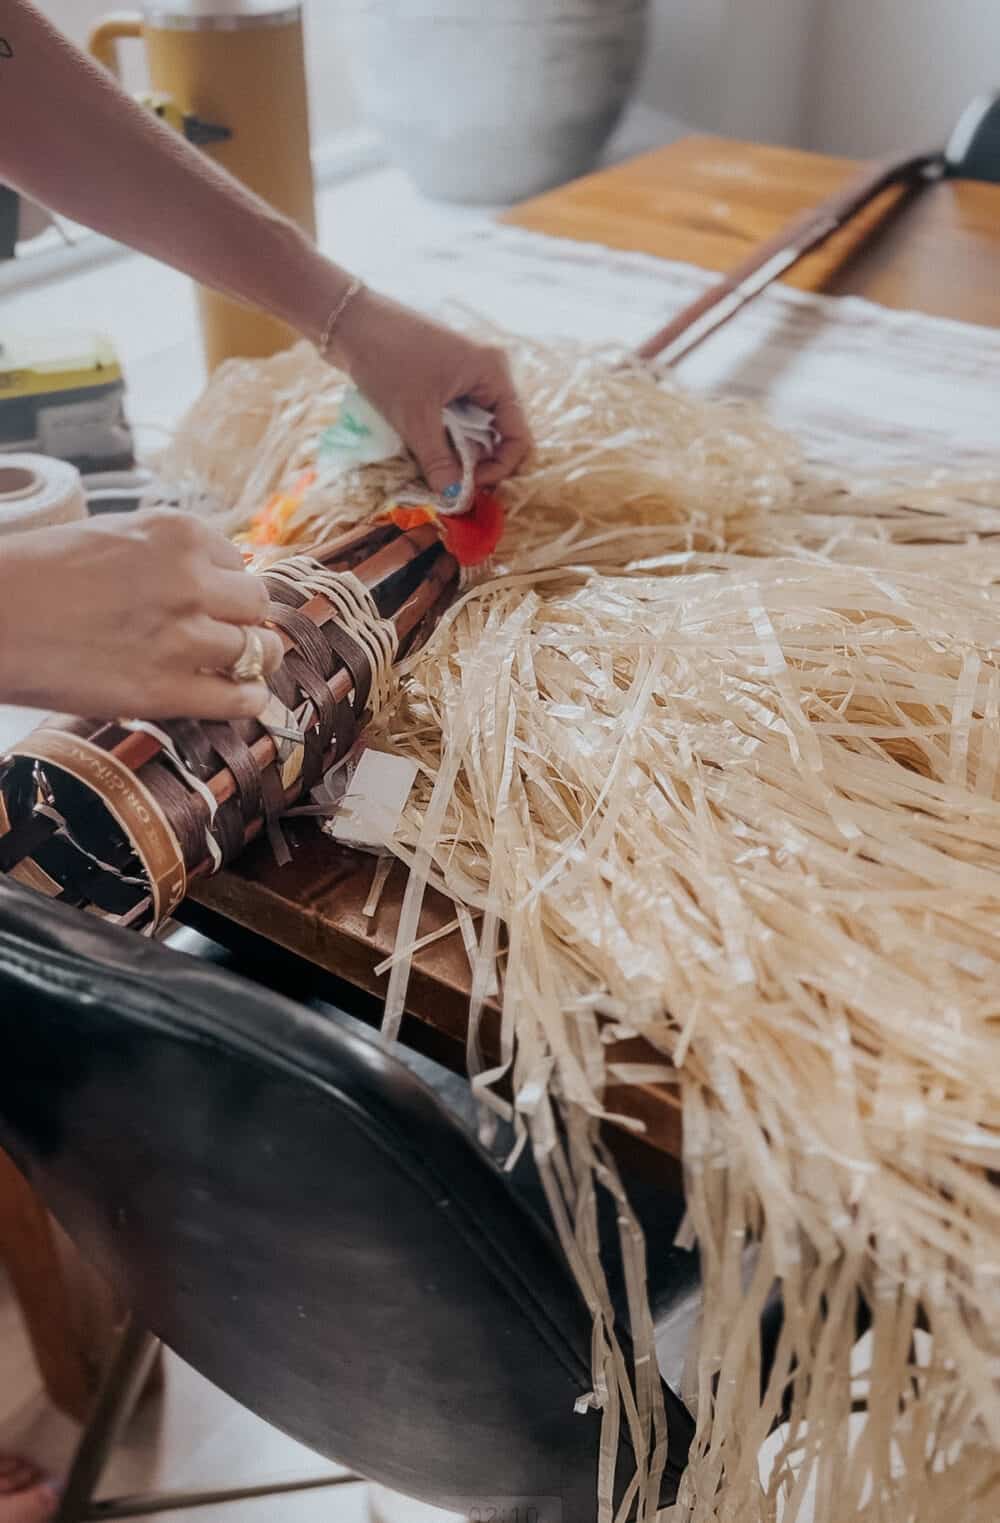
(710, 201)
(707, 201)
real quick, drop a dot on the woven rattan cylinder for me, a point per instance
(121, 817)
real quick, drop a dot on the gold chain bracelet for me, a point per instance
(354, 289)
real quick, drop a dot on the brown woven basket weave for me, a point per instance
(121, 819)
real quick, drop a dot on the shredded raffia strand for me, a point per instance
(717, 741)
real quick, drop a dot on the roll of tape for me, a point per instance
(37, 491)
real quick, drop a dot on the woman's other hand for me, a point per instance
(131, 615)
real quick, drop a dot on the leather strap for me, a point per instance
(309, 639)
(198, 754)
(355, 658)
(235, 754)
(317, 642)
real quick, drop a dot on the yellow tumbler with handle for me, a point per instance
(233, 71)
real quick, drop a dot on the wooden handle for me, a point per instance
(779, 254)
(102, 43)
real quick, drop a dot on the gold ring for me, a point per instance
(249, 665)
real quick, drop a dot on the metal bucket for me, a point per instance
(497, 100)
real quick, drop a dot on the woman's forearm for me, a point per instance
(74, 140)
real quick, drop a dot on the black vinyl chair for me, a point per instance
(305, 1220)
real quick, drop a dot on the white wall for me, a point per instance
(681, 60)
(732, 66)
(859, 77)
(332, 102)
(764, 54)
(890, 74)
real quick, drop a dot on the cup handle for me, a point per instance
(103, 40)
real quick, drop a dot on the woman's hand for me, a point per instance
(129, 615)
(411, 368)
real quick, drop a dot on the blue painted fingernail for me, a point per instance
(452, 492)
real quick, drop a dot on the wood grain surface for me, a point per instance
(709, 201)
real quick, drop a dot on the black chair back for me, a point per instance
(289, 1209)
